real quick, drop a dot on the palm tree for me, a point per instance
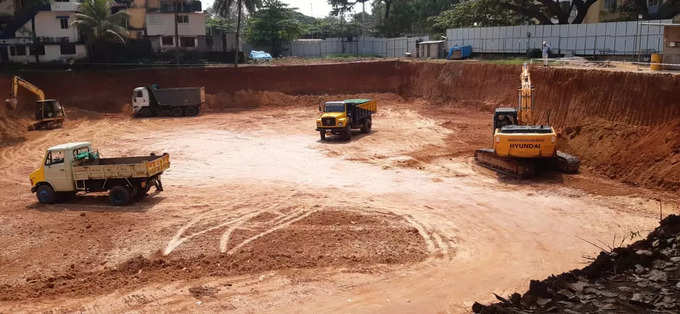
(223, 7)
(95, 21)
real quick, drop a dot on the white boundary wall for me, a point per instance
(364, 46)
(618, 38)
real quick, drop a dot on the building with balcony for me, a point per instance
(56, 39)
(155, 21)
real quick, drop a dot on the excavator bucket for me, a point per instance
(12, 103)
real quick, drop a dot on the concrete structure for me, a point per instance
(160, 29)
(57, 39)
(671, 45)
(433, 49)
(155, 20)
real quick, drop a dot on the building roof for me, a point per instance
(67, 146)
(431, 42)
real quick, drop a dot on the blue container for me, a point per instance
(459, 52)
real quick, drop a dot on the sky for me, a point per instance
(315, 8)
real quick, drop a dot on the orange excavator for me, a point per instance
(520, 147)
(49, 113)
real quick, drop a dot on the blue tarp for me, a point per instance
(465, 52)
(260, 55)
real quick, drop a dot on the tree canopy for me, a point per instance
(272, 26)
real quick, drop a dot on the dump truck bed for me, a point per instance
(178, 97)
(122, 167)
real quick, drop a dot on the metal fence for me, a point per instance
(616, 38)
(363, 46)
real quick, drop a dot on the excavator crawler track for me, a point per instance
(518, 168)
(566, 163)
(526, 168)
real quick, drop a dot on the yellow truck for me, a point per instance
(75, 167)
(340, 117)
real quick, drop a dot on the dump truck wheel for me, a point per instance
(348, 133)
(366, 127)
(190, 111)
(176, 112)
(45, 194)
(120, 195)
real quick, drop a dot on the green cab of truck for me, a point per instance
(340, 117)
(75, 167)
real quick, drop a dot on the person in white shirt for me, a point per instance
(546, 53)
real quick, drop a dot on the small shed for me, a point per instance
(432, 49)
(671, 46)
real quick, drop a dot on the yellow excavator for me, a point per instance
(521, 148)
(49, 113)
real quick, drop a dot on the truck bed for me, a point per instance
(179, 97)
(121, 167)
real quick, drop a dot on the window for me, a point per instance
(168, 41)
(68, 49)
(187, 42)
(20, 49)
(139, 94)
(63, 22)
(610, 5)
(182, 19)
(37, 49)
(54, 157)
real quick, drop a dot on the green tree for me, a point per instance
(547, 11)
(224, 7)
(272, 26)
(95, 21)
(633, 8)
(475, 13)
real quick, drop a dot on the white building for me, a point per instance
(160, 29)
(58, 39)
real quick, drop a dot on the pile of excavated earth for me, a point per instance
(643, 277)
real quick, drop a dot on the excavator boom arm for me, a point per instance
(526, 98)
(17, 81)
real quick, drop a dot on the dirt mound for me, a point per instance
(642, 277)
(324, 238)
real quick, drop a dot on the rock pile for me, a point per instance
(641, 278)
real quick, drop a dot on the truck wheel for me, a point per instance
(323, 135)
(176, 112)
(348, 133)
(366, 126)
(45, 194)
(190, 111)
(120, 195)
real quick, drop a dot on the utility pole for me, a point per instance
(238, 30)
(177, 31)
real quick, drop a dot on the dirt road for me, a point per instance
(259, 216)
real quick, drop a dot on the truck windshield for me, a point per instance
(334, 108)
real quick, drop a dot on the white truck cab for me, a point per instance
(140, 99)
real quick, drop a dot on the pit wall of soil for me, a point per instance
(623, 125)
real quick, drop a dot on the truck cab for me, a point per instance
(140, 99)
(56, 171)
(340, 117)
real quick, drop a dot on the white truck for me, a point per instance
(76, 167)
(176, 102)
